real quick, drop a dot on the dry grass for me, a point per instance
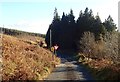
(23, 61)
(99, 64)
(103, 69)
(30, 38)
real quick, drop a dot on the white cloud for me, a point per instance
(37, 26)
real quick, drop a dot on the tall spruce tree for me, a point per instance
(53, 27)
(109, 24)
(98, 28)
(84, 22)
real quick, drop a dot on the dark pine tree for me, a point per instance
(98, 28)
(54, 32)
(109, 24)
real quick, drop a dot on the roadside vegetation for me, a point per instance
(101, 57)
(24, 59)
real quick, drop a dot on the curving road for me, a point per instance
(69, 70)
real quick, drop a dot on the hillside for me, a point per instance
(14, 32)
(29, 37)
(24, 61)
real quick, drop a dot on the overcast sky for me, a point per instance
(36, 15)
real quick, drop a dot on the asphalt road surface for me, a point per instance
(69, 70)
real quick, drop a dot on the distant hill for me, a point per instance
(14, 32)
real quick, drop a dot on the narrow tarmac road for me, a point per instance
(69, 70)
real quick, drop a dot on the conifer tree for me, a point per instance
(53, 26)
(109, 24)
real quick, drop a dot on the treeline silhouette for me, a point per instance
(14, 32)
(67, 32)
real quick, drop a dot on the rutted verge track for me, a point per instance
(69, 70)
